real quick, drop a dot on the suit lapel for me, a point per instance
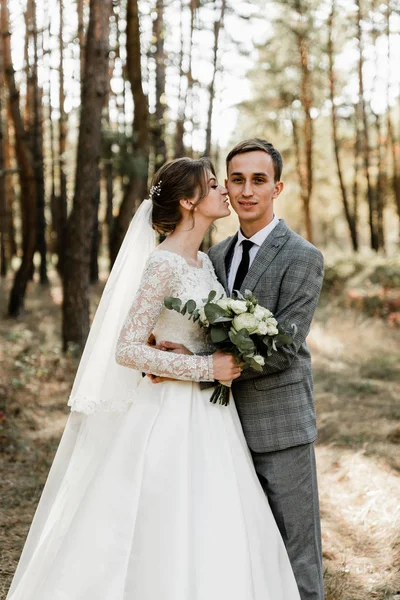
(266, 254)
(223, 259)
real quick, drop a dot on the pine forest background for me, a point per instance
(95, 95)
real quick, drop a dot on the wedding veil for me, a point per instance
(100, 383)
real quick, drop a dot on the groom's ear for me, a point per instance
(278, 189)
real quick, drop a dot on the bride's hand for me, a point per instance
(225, 366)
(172, 347)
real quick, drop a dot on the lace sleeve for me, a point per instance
(132, 348)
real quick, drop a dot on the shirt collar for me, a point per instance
(259, 238)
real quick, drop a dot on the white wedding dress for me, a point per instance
(171, 507)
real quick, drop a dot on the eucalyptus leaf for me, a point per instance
(168, 302)
(218, 335)
(191, 306)
(176, 304)
(213, 312)
(223, 320)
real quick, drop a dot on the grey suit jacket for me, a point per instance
(276, 407)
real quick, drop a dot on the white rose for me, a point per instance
(262, 313)
(203, 317)
(272, 321)
(238, 306)
(271, 329)
(223, 303)
(245, 321)
(262, 328)
(259, 360)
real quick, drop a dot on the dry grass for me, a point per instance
(357, 382)
(357, 385)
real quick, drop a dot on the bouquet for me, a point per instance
(238, 326)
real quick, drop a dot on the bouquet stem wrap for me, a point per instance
(221, 393)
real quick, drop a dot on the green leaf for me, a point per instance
(168, 302)
(223, 320)
(176, 304)
(218, 335)
(282, 339)
(255, 366)
(213, 312)
(211, 296)
(173, 303)
(244, 341)
(191, 306)
(236, 295)
(183, 311)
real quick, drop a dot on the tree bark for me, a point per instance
(306, 101)
(352, 225)
(218, 25)
(4, 258)
(36, 135)
(365, 138)
(159, 146)
(391, 138)
(81, 34)
(61, 200)
(180, 122)
(137, 188)
(85, 204)
(26, 175)
(10, 192)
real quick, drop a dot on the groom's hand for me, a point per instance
(172, 347)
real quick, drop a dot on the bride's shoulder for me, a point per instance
(163, 260)
(206, 260)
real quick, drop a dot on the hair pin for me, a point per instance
(155, 190)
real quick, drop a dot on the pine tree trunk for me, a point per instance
(137, 188)
(218, 25)
(61, 199)
(180, 122)
(37, 151)
(159, 146)
(85, 204)
(351, 223)
(381, 184)
(365, 138)
(81, 35)
(194, 5)
(10, 192)
(306, 100)
(4, 263)
(26, 175)
(392, 147)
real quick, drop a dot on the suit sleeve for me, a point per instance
(298, 297)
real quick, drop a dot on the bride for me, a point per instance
(152, 494)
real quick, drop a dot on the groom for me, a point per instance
(276, 407)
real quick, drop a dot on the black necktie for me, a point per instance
(244, 264)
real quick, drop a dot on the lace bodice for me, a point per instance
(168, 274)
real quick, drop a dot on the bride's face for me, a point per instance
(215, 204)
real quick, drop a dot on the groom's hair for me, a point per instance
(253, 145)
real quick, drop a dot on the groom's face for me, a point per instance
(252, 189)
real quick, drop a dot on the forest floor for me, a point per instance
(356, 363)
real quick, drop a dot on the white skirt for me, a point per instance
(159, 503)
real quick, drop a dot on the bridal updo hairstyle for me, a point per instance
(182, 178)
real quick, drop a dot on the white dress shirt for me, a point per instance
(258, 239)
